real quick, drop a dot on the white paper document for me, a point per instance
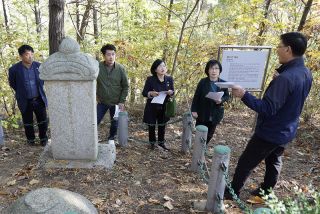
(215, 95)
(116, 113)
(225, 84)
(160, 98)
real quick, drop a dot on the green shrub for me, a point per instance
(303, 202)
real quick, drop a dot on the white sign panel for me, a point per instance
(245, 68)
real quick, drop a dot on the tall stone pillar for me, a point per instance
(70, 83)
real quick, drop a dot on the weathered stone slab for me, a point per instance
(73, 119)
(51, 201)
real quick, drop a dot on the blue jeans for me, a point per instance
(101, 111)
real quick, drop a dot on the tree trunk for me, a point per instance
(262, 26)
(133, 88)
(118, 19)
(95, 29)
(166, 48)
(181, 37)
(37, 15)
(77, 21)
(6, 15)
(56, 24)
(305, 14)
(84, 22)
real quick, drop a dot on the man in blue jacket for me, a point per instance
(278, 114)
(24, 79)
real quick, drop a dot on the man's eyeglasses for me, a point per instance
(282, 46)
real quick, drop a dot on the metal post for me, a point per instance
(186, 133)
(123, 128)
(198, 148)
(217, 182)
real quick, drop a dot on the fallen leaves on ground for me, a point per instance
(255, 200)
(168, 205)
(34, 181)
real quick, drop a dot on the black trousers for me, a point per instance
(211, 128)
(37, 107)
(161, 127)
(256, 151)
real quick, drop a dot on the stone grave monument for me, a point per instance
(70, 84)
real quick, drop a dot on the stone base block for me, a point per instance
(106, 159)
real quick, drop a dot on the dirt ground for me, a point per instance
(141, 178)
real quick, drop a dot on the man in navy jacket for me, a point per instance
(24, 79)
(278, 114)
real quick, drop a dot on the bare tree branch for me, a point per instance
(74, 25)
(168, 9)
(305, 14)
(200, 25)
(181, 36)
(85, 20)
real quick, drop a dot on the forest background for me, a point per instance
(185, 33)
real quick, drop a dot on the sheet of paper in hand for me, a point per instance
(225, 84)
(215, 95)
(160, 98)
(116, 112)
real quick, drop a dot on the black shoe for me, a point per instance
(43, 142)
(228, 195)
(31, 142)
(162, 145)
(259, 192)
(152, 146)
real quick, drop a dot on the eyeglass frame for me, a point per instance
(282, 46)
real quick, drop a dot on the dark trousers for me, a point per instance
(211, 128)
(161, 127)
(256, 151)
(37, 107)
(101, 111)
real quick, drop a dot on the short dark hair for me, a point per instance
(23, 48)
(108, 47)
(154, 66)
(211, 63)
(297, 41)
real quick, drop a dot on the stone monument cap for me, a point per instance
(69, 64)
(69, 46)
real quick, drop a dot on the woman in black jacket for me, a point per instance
(209, 112)
(154, 113)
